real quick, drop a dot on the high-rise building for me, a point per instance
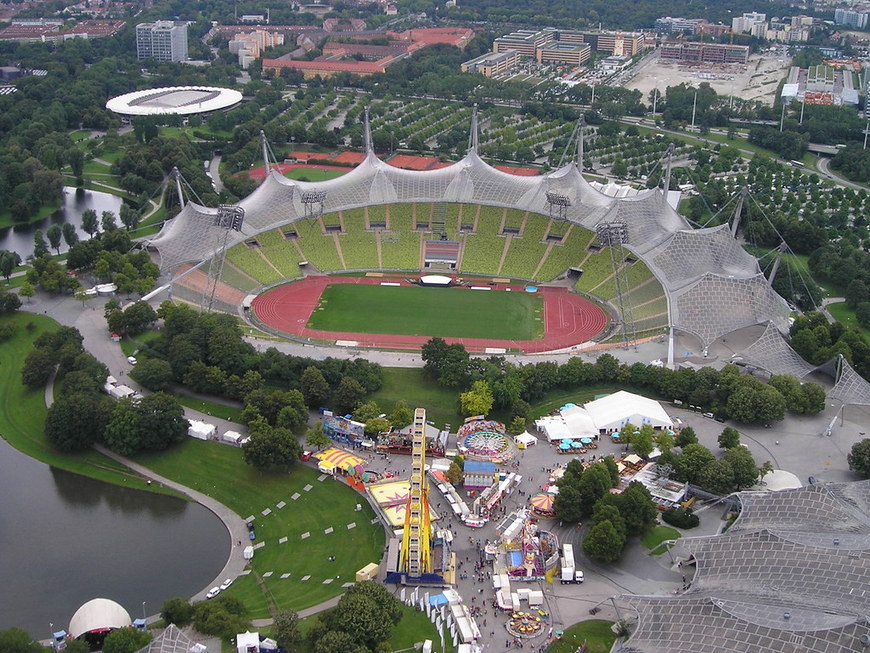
(856, 19)
(163, 40)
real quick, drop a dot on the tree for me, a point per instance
(859, 458)
(154, 373)
(478, 400)
(38, 366)
(337, 641)
(222, 616)
(365, 411)
(517, 425)
(108, 222)
(8, 262)
(593, 484)
(153, 423)
(718, 477)
(9, 302)
(691, 464)
(637, 508)
(285, 628)
(76, 421)
(15, 640)
(642, 441)
(754, 402)
(729, 438)
(743, 465)
(55, 236)
(402, 415)
(454, 473)
(129, 217)
(608, 512)
(26, 290)
(367, 611)
(177, 611)
(138, 317)
(90, 222)
(566, 505)
(39, 245)
(126, 640)
(70, 237)
(317, 437)
(314, 387)
(686, 436)
(271, 448)
(347, 394)
(603, 543)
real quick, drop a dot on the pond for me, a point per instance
(67, 539)
(20, 237)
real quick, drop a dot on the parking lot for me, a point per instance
(756, 81)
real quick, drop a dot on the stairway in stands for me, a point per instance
(439, 216)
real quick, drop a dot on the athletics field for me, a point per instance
(416, 311)
(505, 317)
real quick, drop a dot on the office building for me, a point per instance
(163, 40)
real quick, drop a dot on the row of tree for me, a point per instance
(727, 392)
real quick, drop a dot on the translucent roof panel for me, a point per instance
(762, 564)
(772, 353)
(714, 306)
(709, 624)
(689, 255)
(851, 387)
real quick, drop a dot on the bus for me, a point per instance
(796, 164)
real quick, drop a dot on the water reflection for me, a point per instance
(20, 237)
(65, 539)
(79, 491)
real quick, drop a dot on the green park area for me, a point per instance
(594, 634)
(443, 312)
(315, 524)
(314, 174)
(23, 410)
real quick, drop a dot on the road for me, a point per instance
(824, 168)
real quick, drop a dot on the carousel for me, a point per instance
(525, 624)
(485, 439)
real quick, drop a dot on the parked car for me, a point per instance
(131, 360)
(213, 592)
(226, 584)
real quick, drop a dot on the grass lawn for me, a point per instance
(220, 472)
(658, 534)
(410, 384)
(231, 413)
(595, 632)
(453, 312)
(132, 344)
(22, 411)
(414, 627)
(314, 174)
(6, 219)
(846, 316)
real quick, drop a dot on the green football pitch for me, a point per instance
(443, 312)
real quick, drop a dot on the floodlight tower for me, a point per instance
(473, 138)
(177, 174)
(228, 218)
(558, 205)
(313, 200)
(613, 235)
(415, 559)
(741, 199)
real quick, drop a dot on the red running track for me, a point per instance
(568, 319)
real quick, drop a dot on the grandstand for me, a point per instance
(377, 217)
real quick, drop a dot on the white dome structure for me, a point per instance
(98, 615)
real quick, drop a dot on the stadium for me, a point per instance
(175, 100)
(632, 265)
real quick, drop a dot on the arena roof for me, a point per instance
(789, 575)
(174, 100)
(98, 614)
(713, 287)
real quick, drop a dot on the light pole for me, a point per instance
(694, 106)
(782, 117)
(655, 98)
(144, 618)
